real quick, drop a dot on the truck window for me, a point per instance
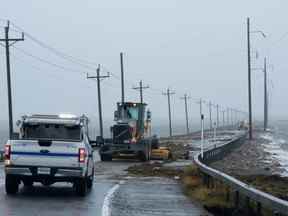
(52, 132)
(132, 113)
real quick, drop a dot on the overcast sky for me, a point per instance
(193, 47)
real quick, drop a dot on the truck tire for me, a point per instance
(90, 180)
(11, 184)
(81, 187)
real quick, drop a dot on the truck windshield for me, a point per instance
(132, 113)
(52, 132)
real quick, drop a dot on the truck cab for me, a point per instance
(50, 148)
(129, 137)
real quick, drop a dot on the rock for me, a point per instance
(156, 169)
(176, 177)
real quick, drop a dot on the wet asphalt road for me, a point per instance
(114, 193)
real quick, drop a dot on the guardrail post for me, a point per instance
(247, 205)
(236, 199)
(227, 194)
(205, 179)
(208, 181)
(212, 182)
(259, 209)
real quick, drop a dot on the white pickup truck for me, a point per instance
(50, 148)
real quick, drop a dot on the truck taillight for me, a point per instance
(7, 152)
(82, 155)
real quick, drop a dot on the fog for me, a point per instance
(193, 47)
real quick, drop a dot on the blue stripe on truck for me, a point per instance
(45, 154)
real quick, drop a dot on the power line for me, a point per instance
(45, 61)
(280, 39)
(49, 63)
(36, 68)
(75, 60)
(84, 63)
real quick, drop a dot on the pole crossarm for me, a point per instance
(141, 88)
(255, 69)
(259, 31)
(96, 77)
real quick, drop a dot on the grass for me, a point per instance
(213, 199)
(275, 185)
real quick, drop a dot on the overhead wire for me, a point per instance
(83, 63)
(75, 60)
(46, 61)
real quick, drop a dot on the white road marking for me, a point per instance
(106, 208)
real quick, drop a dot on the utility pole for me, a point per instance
(200, 103)
(217, 109)
(228, 120)
(202, 136)
(186, 112)
(168, 94)
(231, 117)
(122, 79)
(210, 115)
(140, 88)
(7, 41)
(249, 79)
(98, 77)
(265, 96)
(201, 112)
(223, 115)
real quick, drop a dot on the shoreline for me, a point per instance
(254, 165)
(249, 159)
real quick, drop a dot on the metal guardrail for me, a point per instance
(212, 154)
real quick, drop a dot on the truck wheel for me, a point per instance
(11, 184)
(90, 180)
(81, 187)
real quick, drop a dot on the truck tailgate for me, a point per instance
(31, 153)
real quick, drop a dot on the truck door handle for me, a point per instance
(44, 151)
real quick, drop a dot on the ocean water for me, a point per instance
(277, 146)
